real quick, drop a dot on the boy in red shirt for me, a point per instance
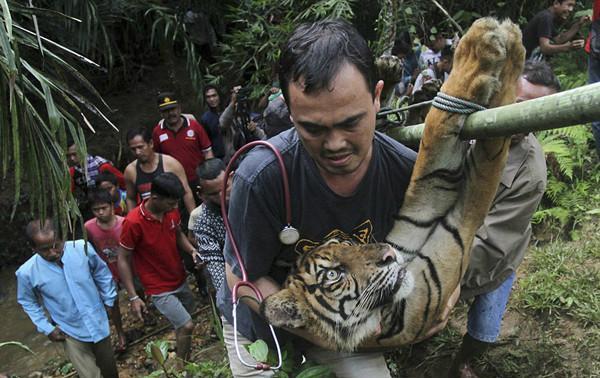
(104, 232)
(150, 239)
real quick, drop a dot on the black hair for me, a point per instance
(447, 53)
(540, 73)
(140, 130)
(167, 184)
(402, 44)
(209, 87)
(316, 51)
(38, 226)
(106, 176)
(98, 196)
(70, 141)
(210, 169)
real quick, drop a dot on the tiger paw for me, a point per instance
(487, 63)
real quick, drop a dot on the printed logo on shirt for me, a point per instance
(361, 234)
(190, 135)
(163, 137)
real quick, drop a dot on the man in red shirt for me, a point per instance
(181, 136)
(150, 238)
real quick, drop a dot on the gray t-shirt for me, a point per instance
(257, 212)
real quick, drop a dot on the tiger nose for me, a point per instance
(388, 257)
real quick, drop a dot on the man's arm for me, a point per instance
(548, 48)
(125, 273)
(208, 154)
(226, 118)
(184, 245)
(130, 187)
(172, 165)
(102, 277)
(28, 300)
(567, 35)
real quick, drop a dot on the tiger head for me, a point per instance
(337, 291)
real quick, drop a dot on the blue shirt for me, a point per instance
(73, 295)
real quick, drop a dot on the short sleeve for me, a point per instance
(545, 28)
(155, 138)
(130, 235)
(253, 219)
(203, 139)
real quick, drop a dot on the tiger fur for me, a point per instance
(397, 290)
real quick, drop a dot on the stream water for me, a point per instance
(15, 325)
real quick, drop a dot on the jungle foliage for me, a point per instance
(53, 56)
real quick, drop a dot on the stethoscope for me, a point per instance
(288, 236)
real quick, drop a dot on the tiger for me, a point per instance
(392, 293)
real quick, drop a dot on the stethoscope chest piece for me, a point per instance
(289, 235)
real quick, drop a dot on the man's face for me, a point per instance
(48, 246)
(446, 65)
(438, 43)
(563, 9)
(171, 116)
(103, 211)
(110, 188)
(211, 189)
(212, 98)
(72, 157)
(142, 150)
(336, 125)
(527, 91)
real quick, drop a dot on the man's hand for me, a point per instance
(56, 335)
(251, 126)
(234, 93)
(584, 20)
(138, 307)
(576, 44)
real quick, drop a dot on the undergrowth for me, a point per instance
(563, 278)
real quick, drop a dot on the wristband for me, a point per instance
(134, 298)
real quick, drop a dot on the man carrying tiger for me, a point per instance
(348, 183)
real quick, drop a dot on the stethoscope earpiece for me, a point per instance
(289, 235)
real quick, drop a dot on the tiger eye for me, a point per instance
(332, 274)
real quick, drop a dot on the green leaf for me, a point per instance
(408, 11)
(158, 350)
(259, 350)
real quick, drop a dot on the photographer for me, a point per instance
(237, 126)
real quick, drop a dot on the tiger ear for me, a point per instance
(282, 309)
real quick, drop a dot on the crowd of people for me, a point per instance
(160, 219)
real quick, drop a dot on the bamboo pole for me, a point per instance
(573, 107)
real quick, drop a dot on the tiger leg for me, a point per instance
(451, 190)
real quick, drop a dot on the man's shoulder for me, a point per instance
(27, 266)
(156, 129)
(133, 216)
(259, 159)
(78, 245)
(90, 224)
(392, 147)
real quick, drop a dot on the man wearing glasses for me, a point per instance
(73, 285)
